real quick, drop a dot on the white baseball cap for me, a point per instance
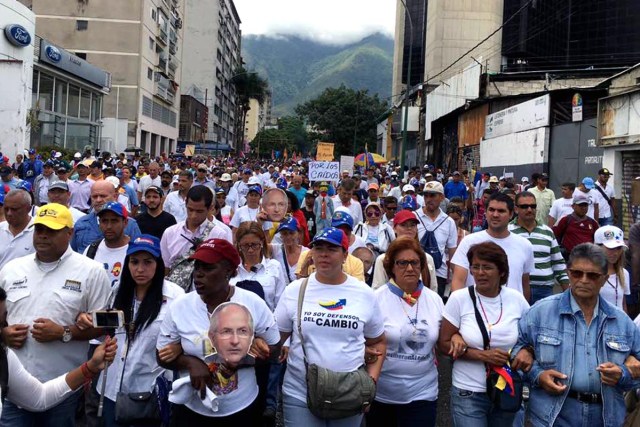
(610, 237)
(408, 187)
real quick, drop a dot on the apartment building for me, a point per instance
(258, 116)
(139, 42)
(211, 56)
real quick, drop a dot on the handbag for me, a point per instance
(330, 394)
(136, 407)
(501, 399)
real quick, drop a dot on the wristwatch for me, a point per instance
(66, 335)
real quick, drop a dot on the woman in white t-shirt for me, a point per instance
(408, 385)
(226, 212)
(340, 316)
(611, 239)
(188, 322)
(249, 212)
(288, 253)
(376, 235)
(460, 336)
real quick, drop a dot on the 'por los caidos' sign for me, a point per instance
(324, 171)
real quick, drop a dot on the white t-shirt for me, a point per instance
(243, 214)
(409, 372)
(445, 231)
(112, 260)
(187, 321)
(605, 207)
(278, 255)
(270, 275)
(518, 249)
(561, 208)
(146, 182)
(336, 320)
(508, 307)
(357, 243)
(612, 290)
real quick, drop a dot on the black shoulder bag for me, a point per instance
(500, 399)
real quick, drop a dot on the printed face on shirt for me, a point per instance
(233, 335)
(276, 204)
(142, 266)
(196, 212)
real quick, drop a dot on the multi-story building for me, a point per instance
(211, 57)
(258, 116)
(140, 43)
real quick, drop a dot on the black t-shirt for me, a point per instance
(155, 225)
(311, 221)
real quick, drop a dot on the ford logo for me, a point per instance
(17, 35)
(53, 53)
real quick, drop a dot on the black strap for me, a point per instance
(286, 264)
(425, 227)
(93, 249)
(483, 329)
(4, 373)
(303, 288)
(603, 193)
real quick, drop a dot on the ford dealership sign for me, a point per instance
(17, 35)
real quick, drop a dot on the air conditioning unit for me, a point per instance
(179, 23)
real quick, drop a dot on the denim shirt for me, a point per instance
(86, 231)
(550, 327)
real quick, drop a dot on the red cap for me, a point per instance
(404, 216)
(216, 250)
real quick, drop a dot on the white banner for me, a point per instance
(346, 164)
(324, 171)
(526, 116)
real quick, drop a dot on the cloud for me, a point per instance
(329, 21)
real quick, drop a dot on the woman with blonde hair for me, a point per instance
(611, 239)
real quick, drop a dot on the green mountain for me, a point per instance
(300, 69)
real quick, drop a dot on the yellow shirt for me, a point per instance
(352, 266)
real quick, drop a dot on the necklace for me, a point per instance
(489, 324)
(413, 321)
(615, 288)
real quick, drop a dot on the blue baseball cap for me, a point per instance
(341, 218)
(334, 236)
(247, 171)
(32, 151)
(145, 243)
(408, 202)
(219, 190)
(289, 223)
(255, 188)
(26, 186)
(588, 183)
(116, 208)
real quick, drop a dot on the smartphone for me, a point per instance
(112, 319)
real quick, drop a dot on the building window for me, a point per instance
(153, 14)
(151, 43)
(149, 73)
(82, 25)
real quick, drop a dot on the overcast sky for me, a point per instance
(329, 21)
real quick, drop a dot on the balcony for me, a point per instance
(173, 48)
(162, 64)
(173, 65)
(164, 91)
(162, 35)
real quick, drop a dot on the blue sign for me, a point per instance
(53, 54)
(17, 35)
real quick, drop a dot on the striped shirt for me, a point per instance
(549, 263)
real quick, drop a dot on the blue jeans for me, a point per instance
(540, 292)
(577, 414)
(472, 409)
(276, 371)
(417, 413)
(61, 415)
(297, 414)
(605, 221)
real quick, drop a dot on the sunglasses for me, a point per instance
(373, 213)
(202, 170)
(403, 263)
(579, 274)
(60, 172)
(533, 206)
(391, 208)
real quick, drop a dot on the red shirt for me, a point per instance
(572, 230)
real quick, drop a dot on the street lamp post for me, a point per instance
(403, 147)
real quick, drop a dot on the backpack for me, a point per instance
(93, 249)
(430, 244)
(182, 268)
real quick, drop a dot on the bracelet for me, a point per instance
(86, 372)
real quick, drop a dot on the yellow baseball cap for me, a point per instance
(54, 216)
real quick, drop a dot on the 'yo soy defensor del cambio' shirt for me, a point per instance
(336, 320)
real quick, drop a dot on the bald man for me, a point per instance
(86, 230)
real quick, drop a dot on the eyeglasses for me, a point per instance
(532, 207)
(404, 263)
(483, 267)
(373, 213)
(579, 274)
(227, 334)
(251, 246)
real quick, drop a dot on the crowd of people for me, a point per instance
(243, 290)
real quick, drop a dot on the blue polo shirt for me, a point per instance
(453, 189)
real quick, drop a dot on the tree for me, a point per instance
(290, 134)
(346, 117)
(249, 85)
